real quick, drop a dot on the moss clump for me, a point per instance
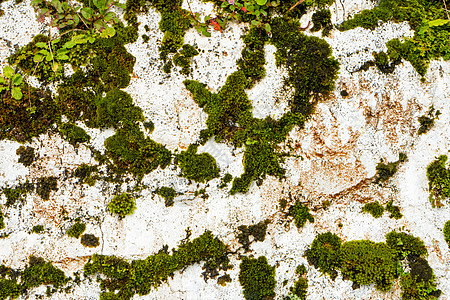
(76, 230)
(2, 222)
(122, 205)
(226, 179)
(383, 63)
(123, 280)
(322, 20)
(438, 180)
(258, 231)
(386, 171)
(89, 240)
(37, 229)
(431, 36)
(365, 262)
(374, 208)
(26, 155)
(167, 193)
(9, 288)
(324, 253)
(301, 214)
(257, 278)
(74, 134)
(311, 68)
(45, 185)
(403, 244)
(299, 289)
(419, 283)
(131, 150)
(446, 232)
(40, 272)
(117, 108)
(13, 195)
(394, 210)
(252, 59)
(87, 174)
(183, 58)
(198, 167)
(427, 121)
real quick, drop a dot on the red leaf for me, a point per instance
(216, 25)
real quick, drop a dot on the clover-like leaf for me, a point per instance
(108, 32)
(87, 12)
(17, 79)
(38, 57)
(261, 2)
(8, 72)
(16, 93)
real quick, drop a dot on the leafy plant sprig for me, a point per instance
(11, 82)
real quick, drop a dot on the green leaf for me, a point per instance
(55, 67)
(38, 58)
(120, 5)
(2, 80)
(438, 22)
(109, 16)
(16, 93)
(261, 2)
(49, 57)
(108, 32)
(55, 41)
(87, 12)
(69, 44)
(62, 57)
(17, 79)
(8, 72)
(42, 45)
(57, 4)
(267, 28)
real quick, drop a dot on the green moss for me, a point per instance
(419, 283)
(301, 270)
(438, 180)
(374, 208)
(39, 272)
(404, 244)
(76, 230)
(301, 214)
(117, 108)
(324, 253)
(13, 195)
(300, 288)
(384, 63)
(167, 193)
(2, 222)
(45, 185)
(122, 205)
(386, 171)
(124, 279)
(226, 179)
(430, 40)
(198, 167)
(311, 69)
(89, 240)
(74, 134)
(427, 121)
(9, 288)
(257, 278)
(183, 58)
(446, 232)
(322, 20)
(131, 150)
(365, 262)
(26, 155)
(87, 174)
(394, 210)
(37, 228)
(258, 231)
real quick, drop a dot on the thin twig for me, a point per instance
(446, 10)
(295, 5)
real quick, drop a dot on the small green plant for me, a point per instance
(26, 155)
(167, 193)
(394, 210)
(324, 253)
(2, 222)
(13, 195)
(87, 174)
(386, 171)
(301, 270)
(374, 208)
(427, 121)
(258, 231)
(10, 83)
(37, 228)
(438, 180)
(301, 214)
(122, 205)
(446, 232)
(198, 167)
(89, 240)
(226, 179)
(76, 230)
(74, 134)
(257, 278)
(45, 185)
(322, 20)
